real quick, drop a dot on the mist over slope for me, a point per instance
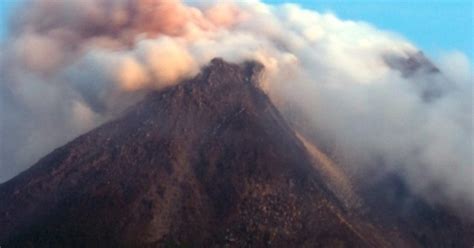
(367, 95)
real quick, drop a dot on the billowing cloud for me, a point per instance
(365, 95)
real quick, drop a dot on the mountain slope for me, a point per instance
(207, 163)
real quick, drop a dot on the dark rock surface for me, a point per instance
(414, 63)
(207, 163)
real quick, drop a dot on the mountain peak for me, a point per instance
(209, 162)
(246, 72)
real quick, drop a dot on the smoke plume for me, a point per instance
(368, 96)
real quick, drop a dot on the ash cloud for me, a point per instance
(366, 95)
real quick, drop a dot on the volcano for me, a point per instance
(209, 162)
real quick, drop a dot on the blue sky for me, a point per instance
(6, 7)
(436, 26)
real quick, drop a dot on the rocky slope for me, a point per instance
(207, 163)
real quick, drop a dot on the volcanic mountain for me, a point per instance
(208, 163)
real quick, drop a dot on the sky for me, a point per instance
(436, 26)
